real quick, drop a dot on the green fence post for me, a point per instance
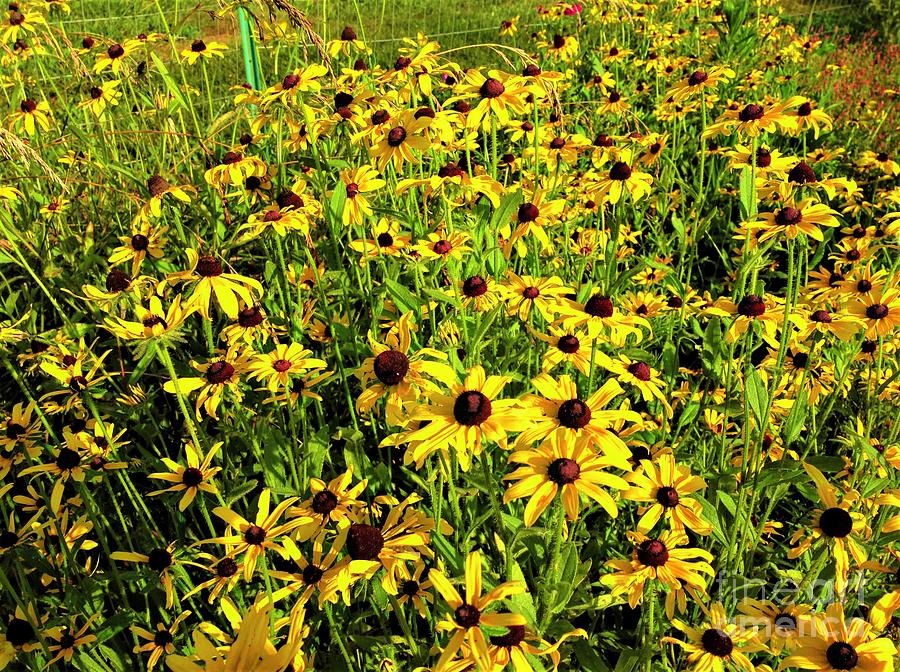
(248, 48)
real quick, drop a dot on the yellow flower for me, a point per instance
(31, 116)
(837, 643)
(560, 465)
(192, 479)
(668, 486)
(208, 279)
(357, 183)
(219, 374)
(279, 367)
(102, 97)
(661, 559)
(200, 49)
(470, 614)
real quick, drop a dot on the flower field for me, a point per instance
(574, 345)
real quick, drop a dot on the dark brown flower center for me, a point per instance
(515, 635)
(563, 471)
(531, 70)
(255, 535)
(410, 587)
(805, 109)
(841, 656)
(751, 305)
(19, 632)
(785, 622)
(442, 247)
(117, 281)
(821, 316)
(28, 106)
(290, 81)
(788, 217)
(192, 477)
(209, 267)
(364, 542)
(324, 502)
(574, 414)
(882, 157)
(396, 136)
(491, 88)
(139, 242)
(836, 523)
(219, 373)
(475, 286)
(281, 365)
(159, 559)
(226, 567)
(348, 34)
(620, 171)
(67, 459)
(752, 112)
(877, 311)
(391, 367)
(568, 344)
(466, 616)
(697, 78)
(250, 317)
(163, 638)
(668, 497)
(639, 370)
(471, 408)
(717, 642)
(198, 46)
(531, 292)
(599, 306)
(801, 174)
(115, 51)
(652, 553)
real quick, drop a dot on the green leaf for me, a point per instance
(171, 86)
(504, 211)
(796, 419)
(757, 396)
(523, 602)
(336, 204)
(406, 301)
(587, 658)
(748, 204)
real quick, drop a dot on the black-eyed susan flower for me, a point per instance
(114, 57)
(565, 467)
(194, 478)
(667, 488)
(318, 573)
(836, 526)
(160, 642)
(160, 560)
(65, 640)
(334, 503)
(463, 420)
(793, 219)
(387, 240)
(619, 179)
(31, 116)
(837, 643)
(252, 540)
(400, 377)
(778, 626)
(522, 293)
(698, 81)
(358, 183)
(208, 279)
(717, 644)
(277, 369)
(200, 49)
(662, 561)
(153, 320)
(101, 98)
(413, 587)
(217, 375)
(469, 614)
(640, 375)
(558, 409)
(498, 94)
(880, 312)
(599, 317)
(145, 240)
(68, 463)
